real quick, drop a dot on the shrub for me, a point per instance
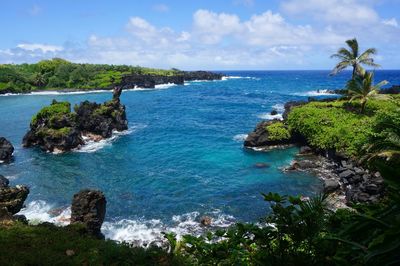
(278, 131)
(56, 109)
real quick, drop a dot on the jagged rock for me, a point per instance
(305, 150)
(346, 174)
(355, 179)
(89, 208)
(274, 112)
(3, 182)
(372, 189)
(56, 129)
(289, 105)
(6, 149)
(260, 136)
(12, 198)
(205, 221)
(132, 81)
(330, 185)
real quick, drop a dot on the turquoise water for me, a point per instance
(181, 158)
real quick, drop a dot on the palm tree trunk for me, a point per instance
(363, 103)
(354, 71)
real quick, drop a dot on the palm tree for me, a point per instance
(388, 146)
(361, 87)
(353, 58)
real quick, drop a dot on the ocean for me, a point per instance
(182, 157)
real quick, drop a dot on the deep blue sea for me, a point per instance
(181, 158)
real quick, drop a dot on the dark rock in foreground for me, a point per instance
(89, 208)
(56, 129)
(12, 198)
(261, 137)
(6, 149)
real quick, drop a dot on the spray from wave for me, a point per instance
(138, 232)
(315, 93)
(93, 146)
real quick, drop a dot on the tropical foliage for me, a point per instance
(60, 74)
(361, 87)
(353, 58)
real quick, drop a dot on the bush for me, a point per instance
(278, 131)
(55, 110)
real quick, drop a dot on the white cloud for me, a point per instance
(162, 8)
(390, 22)
(351, 12)
(221, 41)
(37, 46)
(212, 27)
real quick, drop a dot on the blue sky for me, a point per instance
(223, 34)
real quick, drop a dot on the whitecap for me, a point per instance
(315, 93)
(240, 137)
(143, 232)
(93, 146)
(40, 211)
(279, 107)
(268, 116)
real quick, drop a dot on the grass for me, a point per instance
(47, 245)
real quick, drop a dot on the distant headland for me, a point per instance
(61, 75)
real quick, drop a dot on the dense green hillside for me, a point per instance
(61, 74)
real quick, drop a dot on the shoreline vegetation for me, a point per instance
(61, 75)
(358, 138)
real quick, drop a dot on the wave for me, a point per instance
(41, 93)
(239, 137)
(144, 232)
(93, 146)
(314, 93)
(268, 116)
(238, 77)
(140, 232)
(278, 107)
(40, 211)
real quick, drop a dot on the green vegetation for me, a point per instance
(60, 74)
(353, 58)
(278, 131)
(336, 125)
(362, 87)
(52, 112)
(48, 245)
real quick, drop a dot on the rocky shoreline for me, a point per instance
(147, 81)
(344, 179)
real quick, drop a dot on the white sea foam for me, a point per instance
(240, 137)
(314, 93)
(279, 107)
(93, 146)
(140, 232)
(144, 232)
(268, 116)
(40, 211)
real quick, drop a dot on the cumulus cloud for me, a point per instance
(333, 11)
(219, 41)
(37, 46)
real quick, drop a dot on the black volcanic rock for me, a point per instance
(289, 105)
(89, 208)
(56, 129)
(260, 136)
(6, 149)
(132, 81)
(12, 198)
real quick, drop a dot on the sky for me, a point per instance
(207, 34)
